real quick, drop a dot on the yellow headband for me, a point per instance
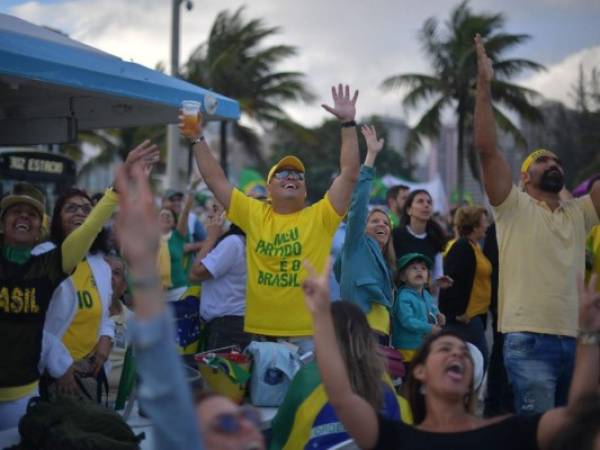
(533, 156)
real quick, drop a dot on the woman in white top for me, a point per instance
(221, 268)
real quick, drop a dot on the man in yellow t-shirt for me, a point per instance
(282, 233)
(541, 243)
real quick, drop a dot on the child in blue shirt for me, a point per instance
(415, 314)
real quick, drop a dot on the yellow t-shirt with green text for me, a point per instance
(82, 335)
(276, 246)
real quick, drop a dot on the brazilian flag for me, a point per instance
(306, 420)
(234, 371)
(248, 179)
(378, 192)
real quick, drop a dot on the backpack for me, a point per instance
(71, 424)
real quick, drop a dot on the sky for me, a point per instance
(359, 43)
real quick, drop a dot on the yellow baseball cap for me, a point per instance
(286, 161)
(534, 155)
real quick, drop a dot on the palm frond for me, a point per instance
(511, 67)
(429, 126)
(518, 99)
(506, 125)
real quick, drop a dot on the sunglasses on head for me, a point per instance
(230, 423)
(287, 173)
(72, 208)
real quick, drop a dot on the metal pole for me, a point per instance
(173, 150)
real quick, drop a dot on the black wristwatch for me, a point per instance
(197, 140)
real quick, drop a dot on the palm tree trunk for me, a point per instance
(461, 153)
(224, 151)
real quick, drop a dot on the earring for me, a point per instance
(423, 390)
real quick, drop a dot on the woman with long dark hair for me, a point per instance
(440, 388)
(366, 263)
(79, 309)
(317, 426)
(419, 232)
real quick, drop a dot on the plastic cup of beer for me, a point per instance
(190, 109)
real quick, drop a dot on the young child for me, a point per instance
(415, 314)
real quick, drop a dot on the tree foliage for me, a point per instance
(450, 52)
(236, 62)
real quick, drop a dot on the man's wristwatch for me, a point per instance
(197, 140)
(349, 124)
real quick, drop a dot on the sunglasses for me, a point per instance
(292, 174)
(230, 423)
(72, 208)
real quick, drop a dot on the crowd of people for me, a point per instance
(359, 286)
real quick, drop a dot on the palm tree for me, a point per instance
(452, 84)
(235, 62)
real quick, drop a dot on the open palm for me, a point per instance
(344, 107)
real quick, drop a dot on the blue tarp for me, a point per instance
(46, 75)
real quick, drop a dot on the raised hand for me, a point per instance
(589, 305)
(344, 107)
(146, 154)
(374, 145)
(485, 70)
(137, 221)
(191, 132)
(214, 226)
(316, 288)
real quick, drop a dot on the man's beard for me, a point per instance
(552, 181)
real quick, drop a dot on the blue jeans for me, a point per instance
(539, 367)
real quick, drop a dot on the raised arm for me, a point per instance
(214, 230)
(78, 243)
(497, 178)
(586, 374)
(356, 414)
(166, 396)
(374, 145)
(359, 203)
(344, 108)
(209, 167)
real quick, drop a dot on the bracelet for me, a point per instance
(148, 282)
(588, 337)
(349, 124)
(197, 140)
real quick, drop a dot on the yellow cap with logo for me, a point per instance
(286, 161)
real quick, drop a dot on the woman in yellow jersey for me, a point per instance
(364, 267)
(79, 308)
(467, 302)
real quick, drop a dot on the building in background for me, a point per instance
(443, 157)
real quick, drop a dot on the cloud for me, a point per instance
(335, 43)
(558, 81)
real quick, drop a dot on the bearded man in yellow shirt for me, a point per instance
(541, 242)
(281, 233)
